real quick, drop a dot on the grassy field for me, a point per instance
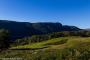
(44, 44)
(64, 48)
(56, 42)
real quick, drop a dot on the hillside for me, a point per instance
(24, 29)
(63, 48)
(62, 43)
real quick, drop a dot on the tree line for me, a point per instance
(40, 38)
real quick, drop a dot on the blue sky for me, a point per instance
(68, 12)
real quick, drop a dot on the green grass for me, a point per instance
(56, 43)
(42, 44)
(64, 48)
(75, 49)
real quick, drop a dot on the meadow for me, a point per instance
(62, 48)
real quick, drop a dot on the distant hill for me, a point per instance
(87, 29)
(23, 29)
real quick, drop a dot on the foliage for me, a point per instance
(4, 36)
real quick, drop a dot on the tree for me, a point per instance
(4, 35)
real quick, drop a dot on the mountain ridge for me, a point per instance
(24, 29)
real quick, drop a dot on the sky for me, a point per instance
(67, 12)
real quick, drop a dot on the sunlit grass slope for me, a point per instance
(43, 44)
(57, 43)
(64, 48)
